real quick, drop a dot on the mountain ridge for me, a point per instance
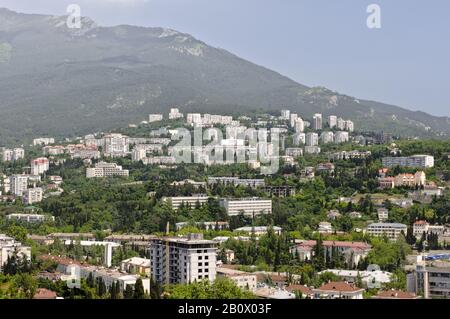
(61, 81)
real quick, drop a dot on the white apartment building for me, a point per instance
(317, 122)
(236, 181)
(248, 206)
(103, 169)
(294, 152)
(422, 226)
(327, 137)
(39, 166)
(191, 201)
(53, 150)
(390, 230)
(13, 154)
(259, 230)
(33, 195)
(116, 145)
(159, 160)
(18, 184)
(138, 154)
(383, 214)
(194, 119)
(30, 218)
(312, 139)
(349, 126)
(293, 118)
(175, 114)
(242, 279)
(43, 141)
(340, 123)
(136, 265)
(8, 246)
(155, 118)
(299, 125)
(332, 121)
(418, 161)
(183, 260)
(312, 150)
(299, 139)
(285, 114)
(341, 137)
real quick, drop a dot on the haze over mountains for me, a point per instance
(60, 81)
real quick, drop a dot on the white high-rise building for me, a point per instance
(299, 125)
(39, 166)
(312, 139)
(327, 137)
(317, 122)
(13, 154)
(341, 137)
(183, 260)
(299, 138)
(332, 121)
(155, 118)
(18, 184)
(340, 124)
(116, 145)
(175, 114)
(138, 154)
(293, 118)
(349, 126)
(33, 195)
(43, 141)
(285, 114)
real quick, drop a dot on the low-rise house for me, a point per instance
(136, 265)
(371, 278)
(333, 214)
(390, 230)
(301, 291)
(395, 294)
(353, 251)
(338, 290)
(267, 292)
(42, 293)
(259, 230)
(325, 228)
(242, 279)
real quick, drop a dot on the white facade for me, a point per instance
(175, 114)
(419, 161)
(103, 169)
(317, 122)
(312, 139)
(183, 260)
(341, 137)
(327, 137)
(155, 118)
(13, 154)
(116, 145)
(332, 121)
(185, 200)
(33, 195)
(39, 166)
(18, 184)
(248, 206)
(390, 230)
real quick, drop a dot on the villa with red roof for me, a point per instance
(338, 290)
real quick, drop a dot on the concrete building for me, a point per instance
(191, 201)
(39, 166)
(138, 154)
(155, 118)
(175, 114)
(299, 139)
(242, 279)
(116, 145)
(279, 191)
(8, 247)
(341, 137)
(353, 252)
(312, 139)
(136, 265)
(33, 195)
(383, 214)
(332, 121)
(236, 181)
(183, 260)
(43, 141)
(299, 125)
(293, 118)
(338, 290)
(327, 137)
(349, 126)
(312, 150)
(285, 115)
(317, 122)
(390, 230)
(294, 152)
(18, 184)
(30, 218)
(431, 276)
(248, 206)
(103, 169)
(259, 230)
(373, 278)
(15, 154)
(417, 161)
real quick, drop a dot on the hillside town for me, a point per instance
(268, 206)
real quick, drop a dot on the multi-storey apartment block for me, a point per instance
(418, 161)
(390, 230)
(103, 169)
(183, 260)
(248, 206)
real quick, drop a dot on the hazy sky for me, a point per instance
(315, 42)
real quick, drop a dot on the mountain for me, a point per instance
(60, 81)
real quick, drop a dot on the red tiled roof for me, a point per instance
(420, 222)
(339, 286)
(43, 293)
(303, 289)
(395, 294)
(331, 243)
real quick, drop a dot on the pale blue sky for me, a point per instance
(315, 42)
